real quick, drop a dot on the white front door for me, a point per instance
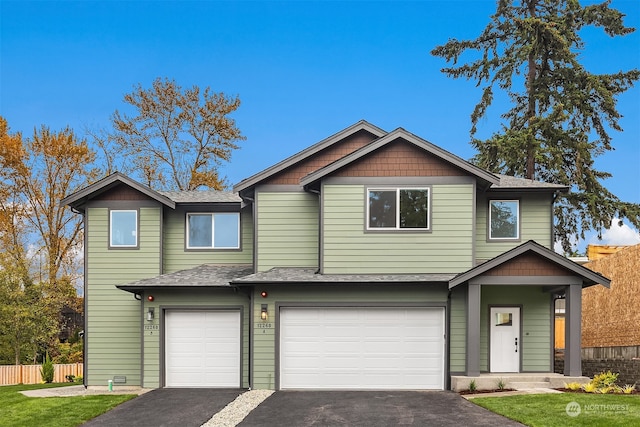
(505, 339)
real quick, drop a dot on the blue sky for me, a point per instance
(303, 70)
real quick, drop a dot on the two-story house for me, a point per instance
(370, 260)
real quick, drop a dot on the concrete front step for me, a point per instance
(528, 385)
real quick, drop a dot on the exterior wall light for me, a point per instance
(150, 314)
(264, 314)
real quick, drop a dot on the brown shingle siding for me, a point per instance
(528, 265)
(122, 192)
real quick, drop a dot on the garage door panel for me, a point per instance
(362, 348)
(202, 348)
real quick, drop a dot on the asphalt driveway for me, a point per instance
(167, 407)
(371, 408)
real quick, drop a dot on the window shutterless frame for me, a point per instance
(123, 228)
(209, 230)
(504, 219)
(398, 209)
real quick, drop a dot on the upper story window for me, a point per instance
(123, 228)
(398, 209)
(504, 219)
(213, 230)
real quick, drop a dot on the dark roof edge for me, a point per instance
(307, 152)
(540, 250)
(81, 196)
(417, 141)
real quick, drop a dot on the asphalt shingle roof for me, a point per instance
(309, 275)
(206, 275)
(205, 196)
(507, 181)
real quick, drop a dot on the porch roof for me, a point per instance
(206, 275)
(587, 276)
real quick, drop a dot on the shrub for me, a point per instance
(604, 380)
(573, 386)
(47, 370)
(501, 384)
(628, 388)
(473, 386)
(589, 388)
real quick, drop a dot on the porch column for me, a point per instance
(473, 330)
(573, 331)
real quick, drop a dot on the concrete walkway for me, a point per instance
(512, 393)
(80, 390)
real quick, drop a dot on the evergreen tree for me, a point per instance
(561, 113)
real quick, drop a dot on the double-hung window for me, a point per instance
(504, 219)
(213, 230)
(398, 208)
(123, 228)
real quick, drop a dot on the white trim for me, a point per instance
(517, 237)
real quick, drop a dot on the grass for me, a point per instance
(19, 410)
(551, 409)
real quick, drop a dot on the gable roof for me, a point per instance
(589, 277)
(308, 152)
(485, 177)
(80, 197)
(202, 196)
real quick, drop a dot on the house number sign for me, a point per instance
(264, 326)
(151, 328)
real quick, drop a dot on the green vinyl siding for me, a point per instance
(458, 330)
(535, 224)
(535, 319)
(349, 249)
(287, 230)
(265, 339)
(194, 298)
(177, 258)
(113, 316)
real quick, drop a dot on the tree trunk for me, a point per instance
(531, 109)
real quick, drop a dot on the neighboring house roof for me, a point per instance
(206, 275)
(79, 198)
(206, 196)
(309, 275)
(589, 277)
(510, 183)
(485, 177)
(307, 152)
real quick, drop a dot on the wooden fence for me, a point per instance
(30, 374)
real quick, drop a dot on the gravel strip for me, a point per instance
(237, 410)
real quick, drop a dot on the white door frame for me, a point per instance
(505, 340)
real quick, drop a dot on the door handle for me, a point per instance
(516, 344)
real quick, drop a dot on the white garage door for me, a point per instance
(362, 348)
(202, 348)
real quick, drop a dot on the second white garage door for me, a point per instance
(361, 348)
(202, 348)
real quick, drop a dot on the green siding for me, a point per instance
(205, 298)
(177, 258)
(535, 317)
(113, 316)
(264, 346)
(535, 224)
(349, 249)
(287, 230)
(458, 330)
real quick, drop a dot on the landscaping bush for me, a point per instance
(47, 370)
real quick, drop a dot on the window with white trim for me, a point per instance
(504, 219)
(123, 228)
(213, 230)
(398, 208)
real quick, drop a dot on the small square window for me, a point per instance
(398, 208)
(213, 230)
(123, 231)
(504, 319)
(504, 219)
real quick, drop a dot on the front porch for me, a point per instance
(517, 381)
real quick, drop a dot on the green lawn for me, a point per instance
(550, 410)
(19, 410)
